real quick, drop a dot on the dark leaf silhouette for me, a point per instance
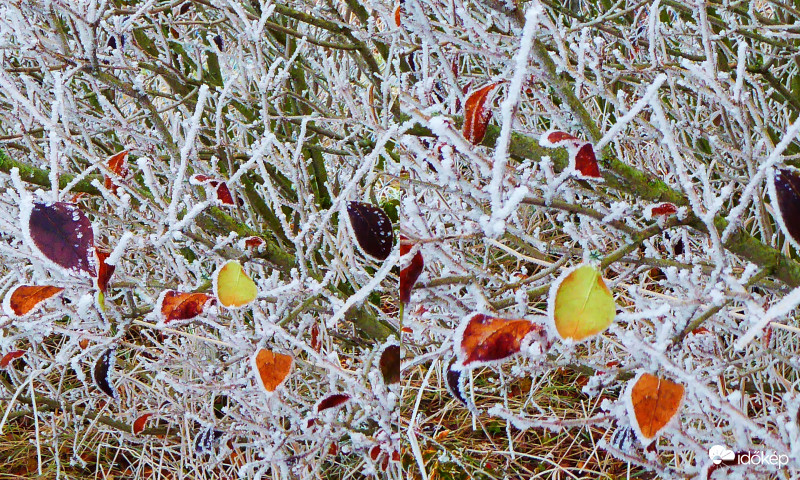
(372, 228)
(332, 401)
(410, 274)
(10, 356)
(787, 193)
(476, 115)
(24, 299)
(62, 234)
(454, 384)
(390, 364)
(206, 440)
(102, 372)
(183, 306)
(104, 270)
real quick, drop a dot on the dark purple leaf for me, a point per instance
(787, 191)
(454, 384)
(63, 235)
(332, 401)
(102, 372)
(390, 364)
(373, 229)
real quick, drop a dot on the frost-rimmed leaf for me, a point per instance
(652, 404)
(24, 300)
(207, 440)
(232, 287)
(271, 369)
(182, 306)
(558, 139)
(476, 115)
(409, 274)
(372, 229)
(455, 385)
(584, 161)
(784, 192)
(104, 270)
(332, 401)
(483, 340)
(580, 304)
(61, 233)
(139, 423)
(102, 372)
(116, 164)
(664, 209)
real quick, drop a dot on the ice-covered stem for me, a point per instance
(48, 404)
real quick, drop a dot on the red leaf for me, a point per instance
(557, 138)
(476, 115)
(104, 270)
(200, 179)
(24, 299)
(138, 425)
(332, 401)
(116, 164)
(316, 343)
(486, 339)
(183, 306)
(410, 274)
(398, 12)
(253, 242)
(372, 228)
(61, 233)
(585, 162)
(224, 194)
(8, 357)
(390, 364)
(663, 209)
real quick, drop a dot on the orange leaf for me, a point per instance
(476, 115)
(183, 306)
(271, 369)
(653, 402)
(116, 164)
(138, 425)
(104, 270)
(8, 357)
(398, 13)
(486, 339)
(23, 299)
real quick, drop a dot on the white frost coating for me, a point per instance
(780, 309)
(188, 146)
(507, 111)
(652, 26)
(637, 107)
(116, 254)
(740, 71)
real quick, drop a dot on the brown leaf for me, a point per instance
(663, 209)
(24, 299)
(653, 403)
(183, 306)
(316, 343)
(271, 369)
(253, 242)
(390, 364)
(116, 164)
(410, 274)
(104, 270)
(476, 115)
(139, 423)
(10, 356)
(332, 401)
(487, 339)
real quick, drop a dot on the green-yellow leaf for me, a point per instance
(233, 287)
(581, 305)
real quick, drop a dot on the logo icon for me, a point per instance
(718, 453)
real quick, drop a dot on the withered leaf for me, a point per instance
(25, 299)
(10, 356)
(486, 339)
(139, 423)
(390, 364)
(332, 401)
(183, 306)
(116, 164)
(409, 274)
(476, 115)
(102, 372)
(104, 270)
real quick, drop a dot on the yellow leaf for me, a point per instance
(581, 305)
(233, 287)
